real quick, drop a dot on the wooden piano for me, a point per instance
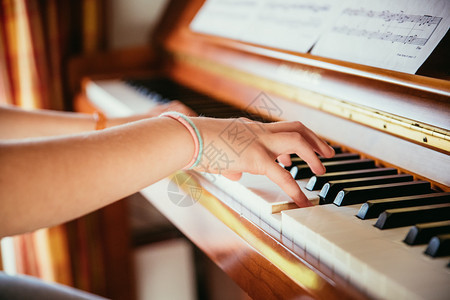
(396, 121)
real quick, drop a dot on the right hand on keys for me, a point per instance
(234, 146)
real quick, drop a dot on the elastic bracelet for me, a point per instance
(100, 120)
(190, 126)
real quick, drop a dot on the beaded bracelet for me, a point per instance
(190, 126)
(100, 120)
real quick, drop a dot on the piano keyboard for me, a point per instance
(338, 231)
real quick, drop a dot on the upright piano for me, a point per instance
(381, 221)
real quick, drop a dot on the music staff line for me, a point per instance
(297, 7)
(388, 16)
(385, 36)
(419, 31)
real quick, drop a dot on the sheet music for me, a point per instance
(396, 35)
(226, 18)
(290, 25)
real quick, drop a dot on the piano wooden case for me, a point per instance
(397, 119)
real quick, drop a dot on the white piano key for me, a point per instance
(313, 196)
(288, 230)
(207, 181)
(117, 99)
(273, 228)
(274, 221)
(249, 215)
(257, 197)
(374, 260)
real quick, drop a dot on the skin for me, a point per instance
(55, 168)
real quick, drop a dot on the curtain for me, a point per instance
(36, 39)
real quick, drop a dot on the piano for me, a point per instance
(380, 225)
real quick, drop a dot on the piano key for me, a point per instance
(303, 171)
(399, 217)
(361, 194)
(331, 188)
(373, 208)
(342, 156)
(337, 150)
(373, 260)
(422, 233)
(163, 89)
(316, 182)
(439, 246)
(254, 196)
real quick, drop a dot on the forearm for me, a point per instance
(46, 182)
(17, 123)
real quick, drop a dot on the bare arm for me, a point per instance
(44, 182)
(16, 123)
(47, 181)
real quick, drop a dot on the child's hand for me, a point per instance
(233, 146)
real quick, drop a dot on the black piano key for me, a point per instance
(355, 195)
(422, 233)
(439, 246)
(316, 182)
(399, 217)
(331, 188)
(373, 208)
(162, 89)
(337, 150)
(342, 156)
(303, 171)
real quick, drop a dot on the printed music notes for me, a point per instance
(416, 29)
(396, 35)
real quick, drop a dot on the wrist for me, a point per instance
(195, 134)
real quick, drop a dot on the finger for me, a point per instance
(285, 159)
(232, 176)
(318, 145)
(286, 182)
(294, 142)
